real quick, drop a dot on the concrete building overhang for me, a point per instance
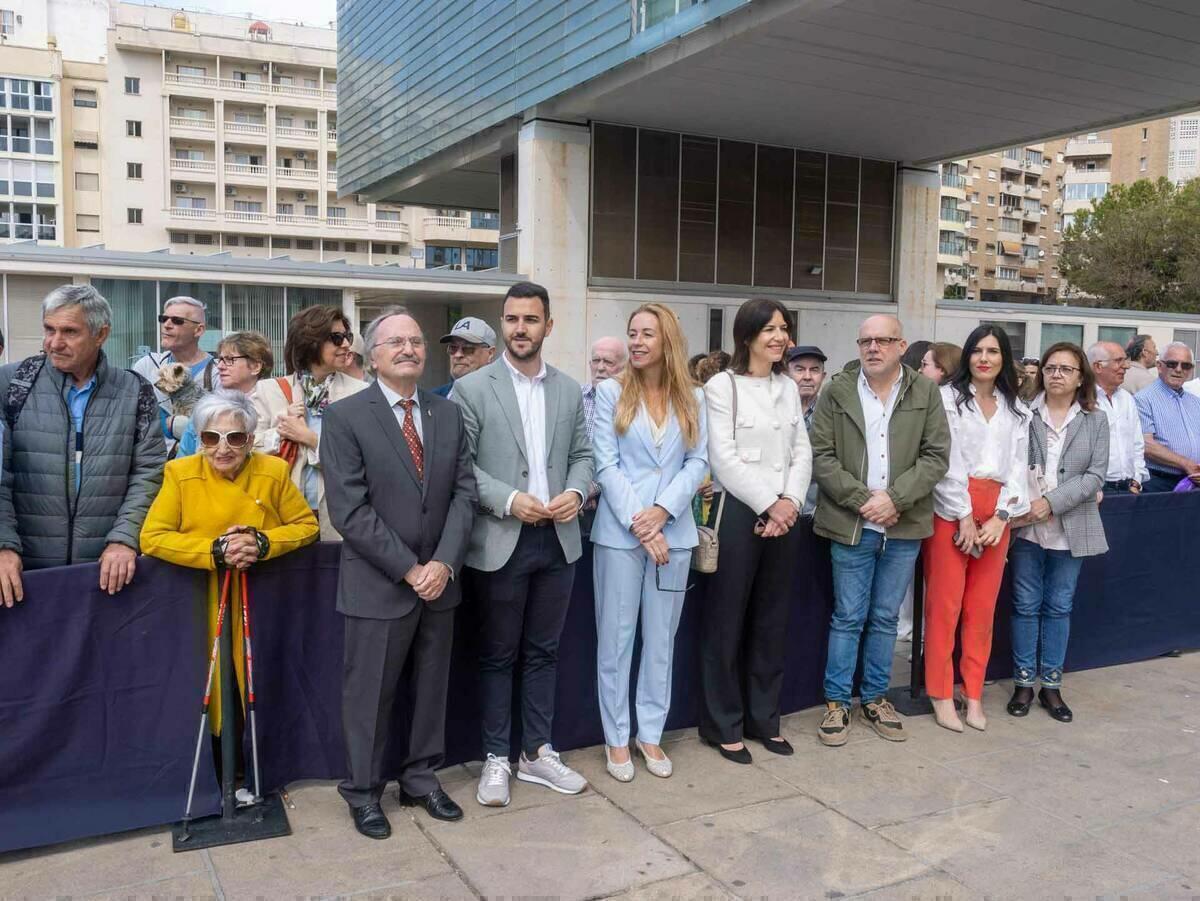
(890, 79)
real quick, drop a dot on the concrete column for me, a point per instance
(350, 307)
(916, 251)
(554, 169)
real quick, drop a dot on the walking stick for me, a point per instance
(212, 665)
(250, 684)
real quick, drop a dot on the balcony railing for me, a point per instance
(299, 174)
(192, 122)
(953, 215)
(290, 131)
(245, 169)
(951, 249)
(184, 212)
(331, 174)
(292, 219)
(246, 216)
(194, 81)
(246, 128)
(245, 86)
(346, 222)
(447, 222)
(1032, 215)
(332, 135)
(953, 181)
(207, 166)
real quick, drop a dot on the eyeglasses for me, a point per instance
(176, 320)
(236, 440)
(397, 343)
(658, 582)
(340, 338)
(884, 342)
(467, 350)
(1118, 360)
(1178, 364)
(1053, 369)
(230, 360)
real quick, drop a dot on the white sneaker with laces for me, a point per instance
(493, 782)
(550, 771)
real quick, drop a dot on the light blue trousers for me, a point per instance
(626, 584)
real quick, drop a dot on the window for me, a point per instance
(84, 97)
(442, 257)
(133, 85)
(1015, 332)
(1054, 332)
(191, 71)
(133, 215)
(43, 139)
(133, 170)
(350, 246)
(479, 258)
(284, 209)
(1142, 163)
(86, 223)
(1085, 191)
(991, 200)
(231, 240)
(87, 181)
(716, 327)
(43, 102)
(1190, 337)
(1189, 128)
(991, 174)
(1187, 158)
(282, 243)
(19, 93)
(1145, 134)
(304, 244)
(253, 241)
(23, 173)
(8, 21)
(202, 239)
(133, 128)
(179, 237)
(1121, 334)
(1007, 273)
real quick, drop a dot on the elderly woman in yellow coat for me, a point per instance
(226, 490)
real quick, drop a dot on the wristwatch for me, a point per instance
(1002, 515)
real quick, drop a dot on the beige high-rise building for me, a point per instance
(196, 132)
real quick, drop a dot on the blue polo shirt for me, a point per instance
(77, 401)
(1173, 418)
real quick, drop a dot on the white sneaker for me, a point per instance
(493, 782)
(550, 771)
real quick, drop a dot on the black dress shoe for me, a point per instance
(437, 804)
(1055, 705)
(742, 755)
(371, 821)
(1022, 697)
(779, 746)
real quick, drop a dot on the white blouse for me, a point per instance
(997, 450)
(1050, 534)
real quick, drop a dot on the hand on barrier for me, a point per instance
(11, 589)
(117, 563)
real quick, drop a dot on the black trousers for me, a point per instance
(743, 632)
(1161, 481)
(375, 654)
(522, 609)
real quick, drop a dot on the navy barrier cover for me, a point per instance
(100, 696)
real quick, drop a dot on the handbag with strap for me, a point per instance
(707, 551)
(288, 450)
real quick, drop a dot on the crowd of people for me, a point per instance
(486, 488)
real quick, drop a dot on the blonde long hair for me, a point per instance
(678, 383)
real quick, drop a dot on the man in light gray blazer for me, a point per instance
(533, 466)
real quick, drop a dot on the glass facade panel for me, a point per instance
(716, 328)
(134, 327)
(614, 200)
(208, 294)
(735, 213)
(808, 237)
(841, 224)
(261, 308)
(1121, 334)
(875, 227)
(698, 210)
(1015, 332)
(773, 217)
(658, 205)
(1054, 332)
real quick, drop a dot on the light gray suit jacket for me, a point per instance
(1081, 470)
(496, 439)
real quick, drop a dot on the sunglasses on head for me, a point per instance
(235, 440)
(1178, 364)
(340, 338)
(163, 319)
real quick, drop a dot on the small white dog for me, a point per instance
(176, 382)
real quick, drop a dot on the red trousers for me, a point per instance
(961, 589)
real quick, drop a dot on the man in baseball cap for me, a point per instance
(470, 344)
(806, 366)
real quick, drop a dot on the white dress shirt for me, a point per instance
(1192, 387)
(1126, 443)
(394, 399)
(1050, 534)
(531, 400)
(981, 449)
(877, 417)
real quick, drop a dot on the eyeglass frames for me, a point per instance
(163, 319)
(235, 440)
(1178, 364)
(340, 338)
(397, 343)
(229, 360)
(884, 342)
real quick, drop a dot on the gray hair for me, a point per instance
(96, 310)
(1100, 353)
(373, 327)
(1179, 344)
(220, 402)
(187, 301)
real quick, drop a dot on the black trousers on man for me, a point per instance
(375, 654)
(522, 609)
(743, 632)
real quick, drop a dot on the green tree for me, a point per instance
(1138, 247)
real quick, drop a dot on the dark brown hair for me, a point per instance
(752, 317)
(946, 357)
(254, 346)
(1085, 394)
(307, 332)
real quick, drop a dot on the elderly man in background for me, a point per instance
(607, 360)
(806, 366)
(181, 325)
(1126, 445)
(83, 454)
(470, 344)
(1143, 355)
(1171, 421)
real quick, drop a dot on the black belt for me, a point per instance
(1163, 474)
(1122, 485)
(540, 524)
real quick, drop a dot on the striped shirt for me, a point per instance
(589, 409)
(1172, 418)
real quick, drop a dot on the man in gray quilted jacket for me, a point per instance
(83, 456)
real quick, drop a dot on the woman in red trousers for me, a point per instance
(985, 487)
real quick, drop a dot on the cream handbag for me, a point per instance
(708, 550)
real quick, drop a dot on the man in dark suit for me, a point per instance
(400, 489)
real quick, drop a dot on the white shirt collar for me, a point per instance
(393, 398)
(863, 383)
(1039, 407)
(516, 373)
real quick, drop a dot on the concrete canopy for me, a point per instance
(909, 80)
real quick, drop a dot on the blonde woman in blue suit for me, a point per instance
(651, 455)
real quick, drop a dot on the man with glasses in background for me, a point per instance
(607, 360)
(1171, 421)
(181, 325)
(1126, 445)
(470, 345)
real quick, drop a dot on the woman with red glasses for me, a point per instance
(226, 493)
(291, 409)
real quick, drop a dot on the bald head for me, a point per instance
(607, 359)
(881, 344)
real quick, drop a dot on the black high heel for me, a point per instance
(742, 755)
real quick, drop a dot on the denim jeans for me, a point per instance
(1043, 591)
(869, 581)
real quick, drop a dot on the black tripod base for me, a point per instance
(906, 703)
(248, 824)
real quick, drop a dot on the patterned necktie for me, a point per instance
(411, 436)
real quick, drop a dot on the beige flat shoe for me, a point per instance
(622, 772)
(660, 768)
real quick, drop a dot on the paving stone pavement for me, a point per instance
(1107, 807)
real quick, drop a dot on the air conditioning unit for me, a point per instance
(360, 200)
(230, 191)
(181, 189)
(301, 195)
(300, 154)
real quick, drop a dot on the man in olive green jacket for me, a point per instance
(880, 443)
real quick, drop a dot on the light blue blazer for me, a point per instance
(633, 474)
